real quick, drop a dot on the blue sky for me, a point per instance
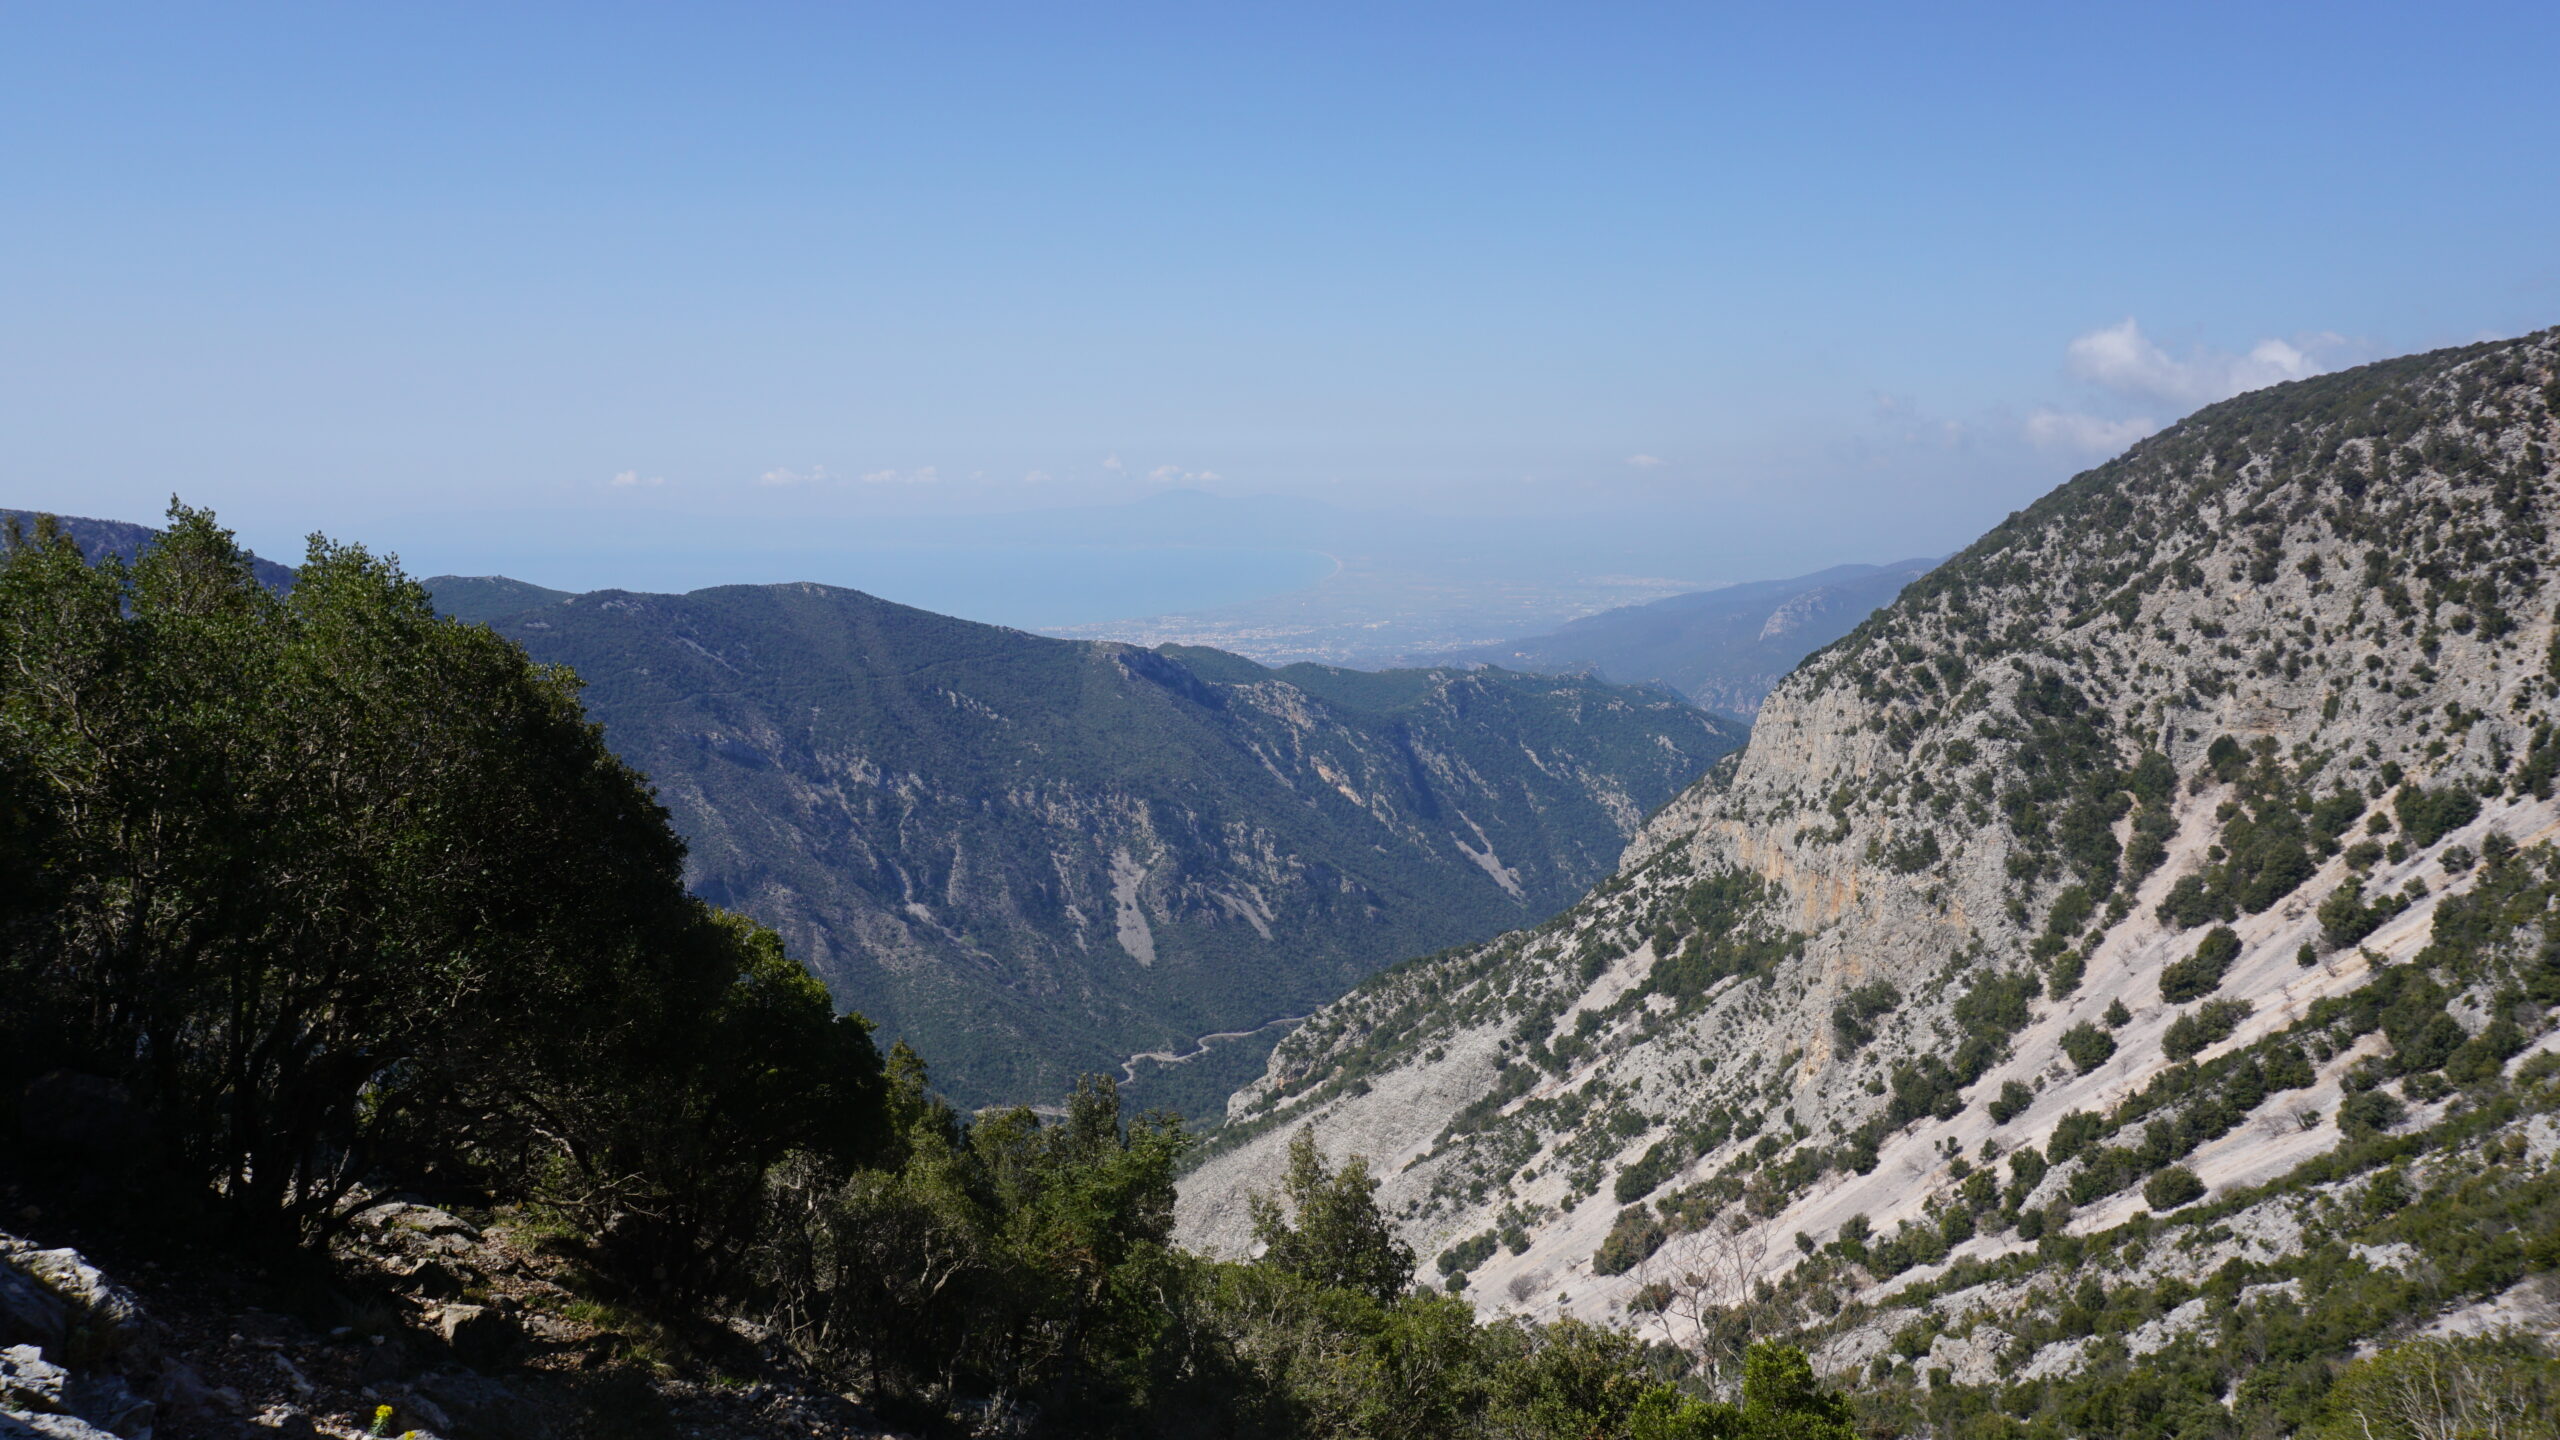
(1854, 281)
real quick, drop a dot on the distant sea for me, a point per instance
(1036, 587)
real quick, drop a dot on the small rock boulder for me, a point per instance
(436, 1279)
(28, 1381)
(29, 1313)
(478, 1335)
(284, 1423)
(105, 1400)
(418, 1219)
(14, 1426)
(105, 1319)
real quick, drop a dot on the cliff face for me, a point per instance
(2211, 733)
(1035, 857)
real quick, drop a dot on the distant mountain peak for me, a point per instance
(1722, 648)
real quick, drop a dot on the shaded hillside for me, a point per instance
(1722, 648)
(2181, 849)
(1035, 857)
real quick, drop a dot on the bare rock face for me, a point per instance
(38, 1426)
(78, 1357)
(100, 1318)
(2202, 740)
(477, 1334)
(28, 1381)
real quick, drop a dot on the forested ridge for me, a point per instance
(1033, 857)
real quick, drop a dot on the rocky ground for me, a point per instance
(421, 1324)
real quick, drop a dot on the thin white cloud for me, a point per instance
(2088, 434)
(2123, 359)
(1164, 474)
(1036, 477)
(1646, 462)
(1110, 462)
(922, 475)
(633, 480)
(1208, 475)
(785, 475)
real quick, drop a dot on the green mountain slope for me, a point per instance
(2118, 977)
(124, 540)
(1722, 648)
(482, 598)
(1036, 857)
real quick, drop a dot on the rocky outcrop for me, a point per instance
(78, 1357)
(2268, 687)
(196, 1353)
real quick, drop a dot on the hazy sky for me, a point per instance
(1868, 276)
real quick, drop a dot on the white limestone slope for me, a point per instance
(2212, 584)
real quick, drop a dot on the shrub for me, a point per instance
(2207, 1024)
(2170, 1188)
(2370, 1113)
(2071, 1134)
(1467, 1254)
(2190, 903)
(2065, 975)
(2347, 916)
(2201, 974)
(2010, 1103)
(2071, 911)
(2088, 1046)
(2484, 1054)
(1924, 1087)
(1648, 1172)
(2104, 1171)
(1849, 1018)
(1912, 856)
(2427, 816)
(2287, 1068)
(1632, 1239)
(2226, 759)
